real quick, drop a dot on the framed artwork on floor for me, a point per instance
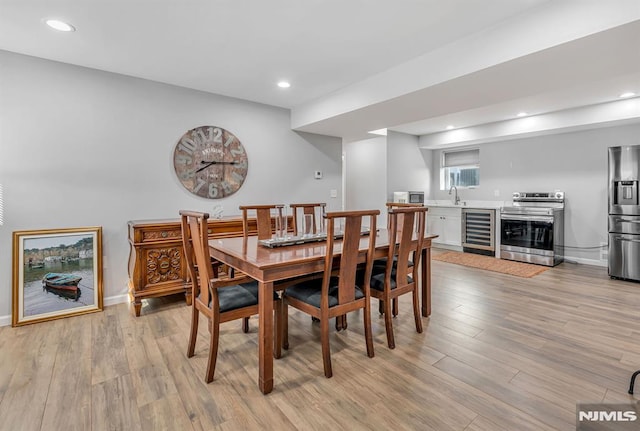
(56, 273)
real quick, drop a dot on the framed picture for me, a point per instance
(56, 273)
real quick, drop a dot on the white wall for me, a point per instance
(408, 167)
(365, 173)
(80, 147)
(575, 163)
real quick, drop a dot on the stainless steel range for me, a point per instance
(532, 228)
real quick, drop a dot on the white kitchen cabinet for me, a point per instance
(446, 222)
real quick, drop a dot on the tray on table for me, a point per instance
(301, 239)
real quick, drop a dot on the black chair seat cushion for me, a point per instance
(310, 292)
(380, 265)
(239, 296)
(377, 281)
(383, 261)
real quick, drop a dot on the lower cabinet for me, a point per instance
(445, 222)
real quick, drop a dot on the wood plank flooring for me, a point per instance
(498, 353)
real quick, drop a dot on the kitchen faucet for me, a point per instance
(457, 198)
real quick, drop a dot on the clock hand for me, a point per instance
(207, 164)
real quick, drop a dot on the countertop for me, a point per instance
(446, 203)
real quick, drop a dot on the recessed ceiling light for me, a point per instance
(59, 25)
(450, 127)
(381, 132)
(284, 84)
(627, 94)
(522, 114)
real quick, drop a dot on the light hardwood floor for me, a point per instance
(498, 353)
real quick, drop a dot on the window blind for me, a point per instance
(461, 158)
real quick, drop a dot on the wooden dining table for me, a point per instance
(269, 265)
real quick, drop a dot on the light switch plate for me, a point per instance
(333, 193)
(317, 175)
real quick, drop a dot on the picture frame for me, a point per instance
(57, 273)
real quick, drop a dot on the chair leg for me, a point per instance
(245, 325)
(395, 307)
(416, 311)
(633, 380)
(214, 329)
(277, 324)
(380, 306)
(388, 323)
(326, 353)
(367, 330)
(195, 314)
(285, 324)
(341, 322)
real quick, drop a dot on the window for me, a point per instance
(460, 168)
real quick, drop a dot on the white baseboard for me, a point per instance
(114, 300)
(5, 320)
(111, 300)
(582, 261)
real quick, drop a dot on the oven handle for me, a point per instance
(525, 217)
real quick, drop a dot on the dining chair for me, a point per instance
(220, 299)
(336, 295)
(315, 210)
(406, 238)
(264, 218)
(379, 265)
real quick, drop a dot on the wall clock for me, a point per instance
(210, 162)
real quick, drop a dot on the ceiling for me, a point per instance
(412, 66)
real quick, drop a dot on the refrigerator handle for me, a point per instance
(622, 238)
(626, 220)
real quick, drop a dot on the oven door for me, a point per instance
(527, 233)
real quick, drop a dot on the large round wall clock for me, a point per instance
(210, 162)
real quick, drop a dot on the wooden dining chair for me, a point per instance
(337, 295)
(264, 219)
(220, 299)
(406, 238)
(315, 210)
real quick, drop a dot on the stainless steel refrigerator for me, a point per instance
(624, 212)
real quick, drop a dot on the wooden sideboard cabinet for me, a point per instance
(156, 257)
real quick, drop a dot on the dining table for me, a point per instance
(269, 265)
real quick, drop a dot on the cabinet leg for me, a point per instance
(137, 306)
